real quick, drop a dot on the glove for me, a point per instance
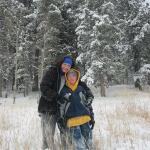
(62, 100)
(92, 123)
(89, 101)
(67, 96)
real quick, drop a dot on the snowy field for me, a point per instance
(122, 121)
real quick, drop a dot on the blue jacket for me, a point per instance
(76, 105)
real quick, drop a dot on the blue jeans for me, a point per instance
(78, 138)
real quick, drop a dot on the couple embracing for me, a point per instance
(66, 101)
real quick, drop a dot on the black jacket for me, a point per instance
(49, 91)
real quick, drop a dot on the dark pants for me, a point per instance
(48, 123)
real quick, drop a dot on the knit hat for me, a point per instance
(68, 61)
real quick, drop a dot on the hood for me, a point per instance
(72, 87)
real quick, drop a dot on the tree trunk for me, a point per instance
(7, 80)
(16, 66)
(36, 78)
(7, 85)
(1, 85)
(13, 79)
(148, 82)
(126, 76)
(42, 61)
(26, 90)
(102, 84)
(137, 59)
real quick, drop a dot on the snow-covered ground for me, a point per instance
(122, 121)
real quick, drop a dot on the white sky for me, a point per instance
(148, 1)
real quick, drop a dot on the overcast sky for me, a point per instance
(148, 1)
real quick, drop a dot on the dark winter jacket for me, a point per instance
(49, 91)
(75, 106)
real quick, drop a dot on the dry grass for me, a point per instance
(126, 124)
(140, 112)
(0, 141)
(98, 143)
(4, 123)
(118, 125)
(19, 128)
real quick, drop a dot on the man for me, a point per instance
(50, 87)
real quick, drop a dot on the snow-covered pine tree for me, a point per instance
(30, 46)
(134, 16)
(141, 24)
(49, 21)
(123, 11)
(2, 44)
(18, 27)
(84, 32)
(111, 37)
(7, 44)
(67, 31)
(101, 54)
(14, 26)
(70, 10)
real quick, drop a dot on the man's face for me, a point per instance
(65, 67)
(72, 79)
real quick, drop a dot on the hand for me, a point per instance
(92, 123)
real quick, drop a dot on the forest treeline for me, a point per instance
(110, 40)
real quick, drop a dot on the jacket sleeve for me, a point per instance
(91, 112)
(89, 93)
(47, 83)
(88, 103)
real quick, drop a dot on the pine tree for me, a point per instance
(5, 57)
(49, 22)
(67, 34)
(111, 39)
(98, 39)
(2, 44)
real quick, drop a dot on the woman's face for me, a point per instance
(65, 67)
